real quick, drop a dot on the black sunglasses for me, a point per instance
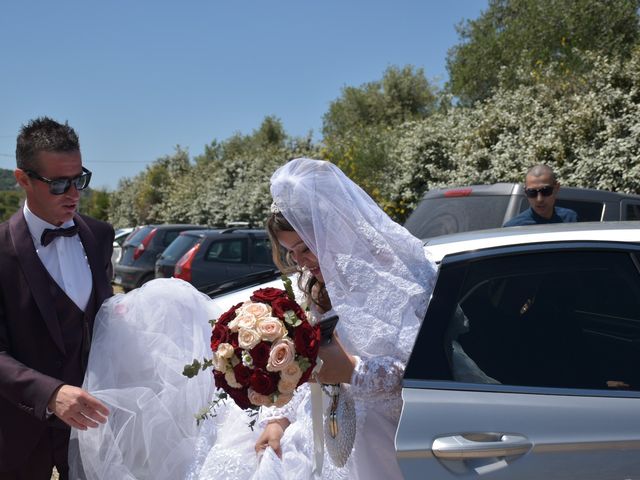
(62, 185)
(533, 192)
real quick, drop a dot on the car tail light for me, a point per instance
(144, 244)
(458, 192)
(182, 269)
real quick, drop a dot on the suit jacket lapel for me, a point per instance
(35, 275)
(98, 270)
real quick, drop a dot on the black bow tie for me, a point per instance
(50, 234)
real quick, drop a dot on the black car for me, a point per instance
(212, 260)
(477, 207)
(141, 250)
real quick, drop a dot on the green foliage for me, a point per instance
(533, 34)
(359, 128)
(7, 180)
(10, 202)
(587, 127)
(228, 182)
(95, 203)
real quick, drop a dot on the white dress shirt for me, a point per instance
(64, 259)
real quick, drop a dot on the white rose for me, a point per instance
(225, 350)
(245, 321)
(271, 329)
(248, 338)
(219, 363)
(291, 372)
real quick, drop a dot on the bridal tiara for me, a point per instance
(275, 208)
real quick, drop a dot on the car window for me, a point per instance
(137, 236)
(169, 236)
(262, 251)
(631, 211)
(440, 216)
(556, 319)
(232, 251)
(179, 247)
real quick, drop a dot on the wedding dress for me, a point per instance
(379, 282)
(142, 341)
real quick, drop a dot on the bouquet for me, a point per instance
(263, 349)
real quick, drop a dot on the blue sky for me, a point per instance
(137, 78)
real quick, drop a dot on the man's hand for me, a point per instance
(77, 408)
(271, 436)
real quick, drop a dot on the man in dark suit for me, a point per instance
(54, 275)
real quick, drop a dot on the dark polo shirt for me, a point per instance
(529, 217)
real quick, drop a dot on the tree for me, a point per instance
(532, 34)
(359, 127)
(587, 127)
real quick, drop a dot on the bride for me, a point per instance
(354, 261)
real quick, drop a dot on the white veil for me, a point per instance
(375, 271)
(141, 342)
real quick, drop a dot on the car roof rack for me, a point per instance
(233, 226)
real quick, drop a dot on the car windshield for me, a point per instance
(179, 247)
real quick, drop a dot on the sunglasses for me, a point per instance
(544, 191)
(62, 185)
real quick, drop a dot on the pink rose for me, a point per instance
(286, 385)
(258, 310)
(282, 354)
(291, 372)
(258, 399)
(271, 329)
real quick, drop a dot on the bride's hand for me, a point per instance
(338, 365)
(271, 436)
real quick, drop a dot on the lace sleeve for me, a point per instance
(379, 376)
(289, 411)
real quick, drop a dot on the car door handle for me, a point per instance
(480, 445)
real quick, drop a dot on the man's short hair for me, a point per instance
(43, 135)
(541, 169)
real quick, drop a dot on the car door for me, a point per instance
(223, 260)
(526, 367)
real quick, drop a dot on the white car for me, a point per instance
(527, 365)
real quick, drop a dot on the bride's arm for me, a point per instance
(275, 420)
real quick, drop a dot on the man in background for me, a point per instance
(541, 188)
(54, 275)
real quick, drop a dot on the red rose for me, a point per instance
(242, 374)
(233, 340)
(260, 354)
(220, 381)
(267, 295)
(241, 397)
(306, 339)
(263, 382)
(220, 334)
(283, 304)
(229, 315)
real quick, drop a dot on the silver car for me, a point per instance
(526, 365)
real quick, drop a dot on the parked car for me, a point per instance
(477, 207)
(121, 235)
(525, 366)
(209, 258)
(141, 250)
